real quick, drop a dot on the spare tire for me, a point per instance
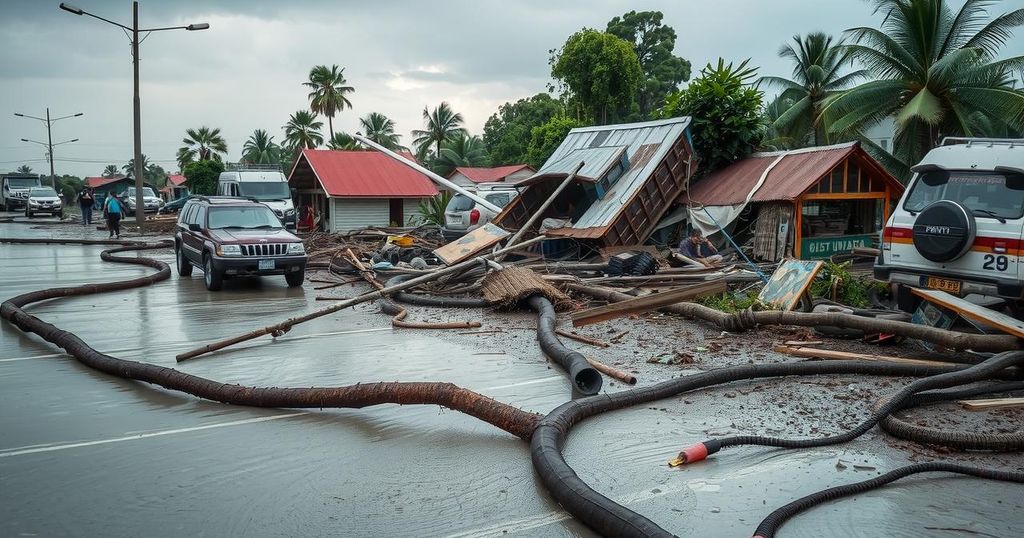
(944, 231)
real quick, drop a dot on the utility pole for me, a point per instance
(49, 138)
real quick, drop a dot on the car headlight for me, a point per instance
(296, 248)
(33, 202)
(229, 250)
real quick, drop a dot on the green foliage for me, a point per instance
(507, 133)
(936, 72)
(24, 169)
(602, 71)
(303, 131)
(329, 92)
(463, 150)
(260, 148)
(544, 139)
(380, 129)
(111, 170)
(726, 113)
(432, 209)
(851, 290)
(152, 173)
(442, 124)
(729, 302)
(343, 141)
(654, 44)
(202, 144)
(202, 176)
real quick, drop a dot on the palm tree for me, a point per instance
(463, 150)
(937, 74)
(129, 169)
(381, 129)
(110, 171)
(442, 124)
(329, 90)
(303, 131)
(203, 143)
(261, 149)
(817, 74)
(184, 157)
(343, 141)
(24, 169)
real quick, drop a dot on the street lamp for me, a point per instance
(49, 122)
(133, 34)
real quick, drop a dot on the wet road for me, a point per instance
(86, 454)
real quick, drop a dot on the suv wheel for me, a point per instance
(294, 279)
(944, 231)
(213, 279)
(184, 266)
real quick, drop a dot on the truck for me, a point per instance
(14, 190)
(261, 183)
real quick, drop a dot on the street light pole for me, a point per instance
(49, 143)
(49, 137)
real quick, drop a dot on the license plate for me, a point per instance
(944, 284)
(456, 219)
(266, 264)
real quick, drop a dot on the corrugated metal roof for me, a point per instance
(101, 181)
(795, 173)
(596, 162)
(485, 175)
(661, 134)
(176, 179)
(367, 174)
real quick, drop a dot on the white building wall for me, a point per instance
(412, 211)
(352, 213)
(882, 133)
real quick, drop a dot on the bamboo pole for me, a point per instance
(280, 328)
(613, 372)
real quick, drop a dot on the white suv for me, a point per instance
(463, 215)
(960, 224)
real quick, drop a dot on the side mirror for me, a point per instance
(193, 227)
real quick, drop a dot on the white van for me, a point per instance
(959, 227)
(262, 183)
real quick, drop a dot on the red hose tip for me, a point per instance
(690, 454)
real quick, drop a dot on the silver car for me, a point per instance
(43, 200)
(463, 215)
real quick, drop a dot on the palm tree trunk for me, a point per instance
(330, 125)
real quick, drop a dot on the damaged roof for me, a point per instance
(795, 172)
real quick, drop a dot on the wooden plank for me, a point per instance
(466, 246)
(788, 283)
(970, 310)
(644, 304)
(992, 403)
(581, 338)
(608, 252)
(817, 353)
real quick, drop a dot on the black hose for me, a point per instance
(585, 378)
(434, 300)
(971, 374)
(605, 515)
(770, 525)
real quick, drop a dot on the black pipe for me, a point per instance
(770, 525)
(585, 378)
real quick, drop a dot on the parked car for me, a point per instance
(228, 237)
(173, 206)
(960, 224)
(43, 200)
(151, 202)
(463, 215)
(263, 183)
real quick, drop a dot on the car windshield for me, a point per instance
(146, 191)
(265, 190)
(43, 192)
(22, 182)
(986, 194)
(255, 216)
(460, 202)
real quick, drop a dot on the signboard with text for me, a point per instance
(820, 248)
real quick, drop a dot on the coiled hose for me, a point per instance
(585, 379)
(977, 372)
(770, 525)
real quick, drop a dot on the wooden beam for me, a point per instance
(993, 403)
(970, 310)
(817, 353)
(644, 304)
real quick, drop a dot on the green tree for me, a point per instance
(24, 169)
(129, 168)
(602, 71)
(464, 150)
(184, 157)
(936, 73)
(654, 44)
(380, 129)
(442, 124)
(725, 113)
(111, 171)
(261, 149)
(545, 138)
(329, 92)
(343, 141)
(818, 67)
(202, 176)
(203, 144)
(507, 132)
(303, 131)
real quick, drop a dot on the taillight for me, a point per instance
(892, 235)
(474, 216)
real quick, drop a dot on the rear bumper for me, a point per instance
(992, 287)
(249, 266)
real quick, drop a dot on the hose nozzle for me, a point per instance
(690, 454)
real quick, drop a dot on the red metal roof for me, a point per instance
(101, 181)
(486, 175)
(797, 171)
(364, 174)
(176, 179)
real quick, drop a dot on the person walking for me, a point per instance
(113, 210)
(85, 202)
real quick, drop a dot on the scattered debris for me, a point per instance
(644, 304)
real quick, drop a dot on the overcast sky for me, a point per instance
(245, 72)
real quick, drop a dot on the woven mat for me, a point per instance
(510, 286)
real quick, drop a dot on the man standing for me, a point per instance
(85, 202)
(697, 248)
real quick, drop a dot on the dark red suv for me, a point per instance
(227, 237)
